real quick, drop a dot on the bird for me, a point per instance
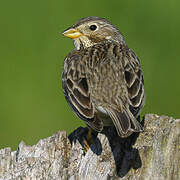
(102, 79)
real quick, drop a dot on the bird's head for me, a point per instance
(92, 30)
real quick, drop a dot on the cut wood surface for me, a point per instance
(153, 154)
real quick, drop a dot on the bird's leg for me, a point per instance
(88, 141)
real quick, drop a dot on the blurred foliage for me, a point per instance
(32, 51)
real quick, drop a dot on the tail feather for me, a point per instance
(124, 122)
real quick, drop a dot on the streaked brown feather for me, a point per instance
(109, 80)
(76, 91)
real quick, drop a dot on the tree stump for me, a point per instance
(150, 155)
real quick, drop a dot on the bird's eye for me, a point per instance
(93, 27)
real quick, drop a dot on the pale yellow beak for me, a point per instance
(72, 33)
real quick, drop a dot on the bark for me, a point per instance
(153, 154)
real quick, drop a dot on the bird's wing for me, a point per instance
(131, 98)
(134, 82)
(76, 90)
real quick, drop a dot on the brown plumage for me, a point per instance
(102, 78)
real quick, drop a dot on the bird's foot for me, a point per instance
(88, 141)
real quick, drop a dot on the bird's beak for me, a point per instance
(72, 33)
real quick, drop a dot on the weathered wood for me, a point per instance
(155, 154)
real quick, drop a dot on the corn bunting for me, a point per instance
(102, 78)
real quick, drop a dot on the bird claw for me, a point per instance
(87, 142)
(86, 146)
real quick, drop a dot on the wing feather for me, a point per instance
(135, 83)
(76, 91)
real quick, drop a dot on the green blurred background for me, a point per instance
(32, 51)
